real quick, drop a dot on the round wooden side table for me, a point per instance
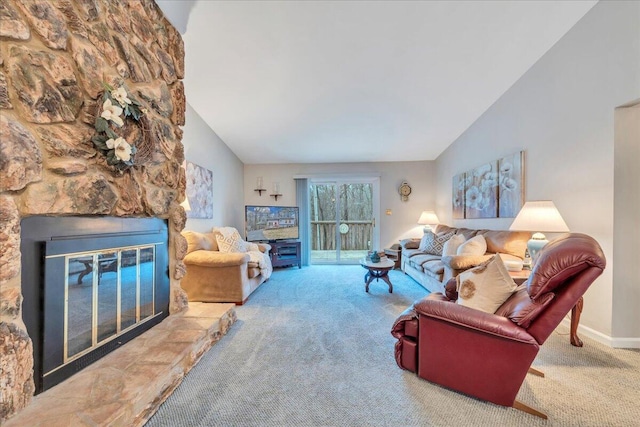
(377, 270)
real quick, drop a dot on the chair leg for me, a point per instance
(576, 311)
(536, 372)
(528, 409)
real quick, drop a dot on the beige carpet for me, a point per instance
(311, 348)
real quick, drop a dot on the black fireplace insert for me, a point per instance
(90, 284)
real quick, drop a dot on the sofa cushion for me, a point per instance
(486, 286)
(197, 241)
(474, 246)
(467, 232)
(428, 264)
(451, 246)
(409, 253)
(507, 242)
(420, 258)
(432, 243)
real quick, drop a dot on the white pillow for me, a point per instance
(451, 246)
(229, 240)
(486, 286)
(474, 246)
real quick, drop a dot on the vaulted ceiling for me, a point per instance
(353, 81)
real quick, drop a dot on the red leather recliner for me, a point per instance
(488, 355)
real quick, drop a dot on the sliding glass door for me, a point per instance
(343, 219)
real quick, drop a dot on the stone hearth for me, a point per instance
(127, 386)
(56, 59)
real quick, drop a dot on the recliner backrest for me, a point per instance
(566, 266)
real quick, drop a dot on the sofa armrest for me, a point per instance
(464, 262)
(410, 243)
(215, 258)
(472, 319)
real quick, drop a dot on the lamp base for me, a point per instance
(537, 242)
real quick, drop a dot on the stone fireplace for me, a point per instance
(56, 59)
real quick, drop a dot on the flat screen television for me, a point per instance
(271, 223)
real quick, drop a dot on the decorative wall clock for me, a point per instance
(404, 190)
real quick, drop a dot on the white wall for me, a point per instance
(626, 229)
(561, 113)
(203, 147)
(403, 221)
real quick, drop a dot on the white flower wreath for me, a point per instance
(115, 104)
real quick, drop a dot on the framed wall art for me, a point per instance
(493, 190)
(481, 195)
(199, 190)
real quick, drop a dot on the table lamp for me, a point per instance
(429, 219)
(539, 216)
(186, 205)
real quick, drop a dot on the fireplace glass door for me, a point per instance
(99, 292)
(106, 293)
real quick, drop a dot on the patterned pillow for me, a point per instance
(432, 243)
(229, 240)
(486, 286)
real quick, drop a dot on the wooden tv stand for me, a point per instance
(285, 253)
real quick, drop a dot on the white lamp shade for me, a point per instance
(428, 218)
(539, 216)
(186, 205)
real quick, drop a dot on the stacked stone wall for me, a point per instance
(55, 58)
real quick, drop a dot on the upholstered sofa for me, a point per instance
(223, 268)
(433, 270)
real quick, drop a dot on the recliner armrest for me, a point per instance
(215, 258)
(473, 319)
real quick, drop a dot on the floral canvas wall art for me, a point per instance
(457, 200)
(511, 179)
(481, 196)
(199, 191)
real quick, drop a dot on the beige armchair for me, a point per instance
(215, 276)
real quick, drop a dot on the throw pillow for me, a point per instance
(229, 240)
(432, 243)
(476, 245)
(451, 246)
(195, 241)
(486, 286)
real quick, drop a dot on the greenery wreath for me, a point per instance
(117, 106)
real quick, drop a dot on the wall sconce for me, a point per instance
(429, 219)
(276, 191)
(260, 186)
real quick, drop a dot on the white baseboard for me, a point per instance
(602, 338)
